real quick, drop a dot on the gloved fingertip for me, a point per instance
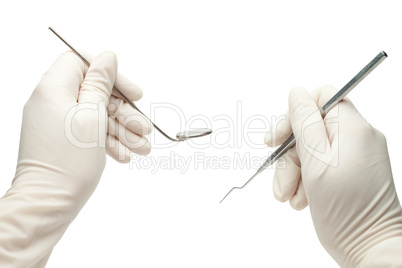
(117, 150)
(299, 199)
(148, 128)
(299, 98)
(138, 94)
(140, 125)
(278, 193)
(109, 58)
(280, 197)
(100, 78)
(110, 55)
(268, 138)
(323, 94)
(145, 149)
(89, 57)
(132, 91)
(298, 203)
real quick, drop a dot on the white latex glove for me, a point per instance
(340, 167)
(54, 177)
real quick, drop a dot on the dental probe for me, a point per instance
(324, 110)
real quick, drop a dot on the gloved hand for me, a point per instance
(65, 135)
(340, 167)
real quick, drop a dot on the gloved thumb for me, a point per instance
(308, 126)
(99, 80)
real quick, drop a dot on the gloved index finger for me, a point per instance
(308, 126)
(99, 81)
(280, 128)
(279, 131)
(128, 88)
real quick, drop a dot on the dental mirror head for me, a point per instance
(193, 133)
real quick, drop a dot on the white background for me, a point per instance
(204, 57)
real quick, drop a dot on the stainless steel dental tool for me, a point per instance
(181, 136)
(324, 110)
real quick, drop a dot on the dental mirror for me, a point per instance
(194, 133)
(181, 136)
